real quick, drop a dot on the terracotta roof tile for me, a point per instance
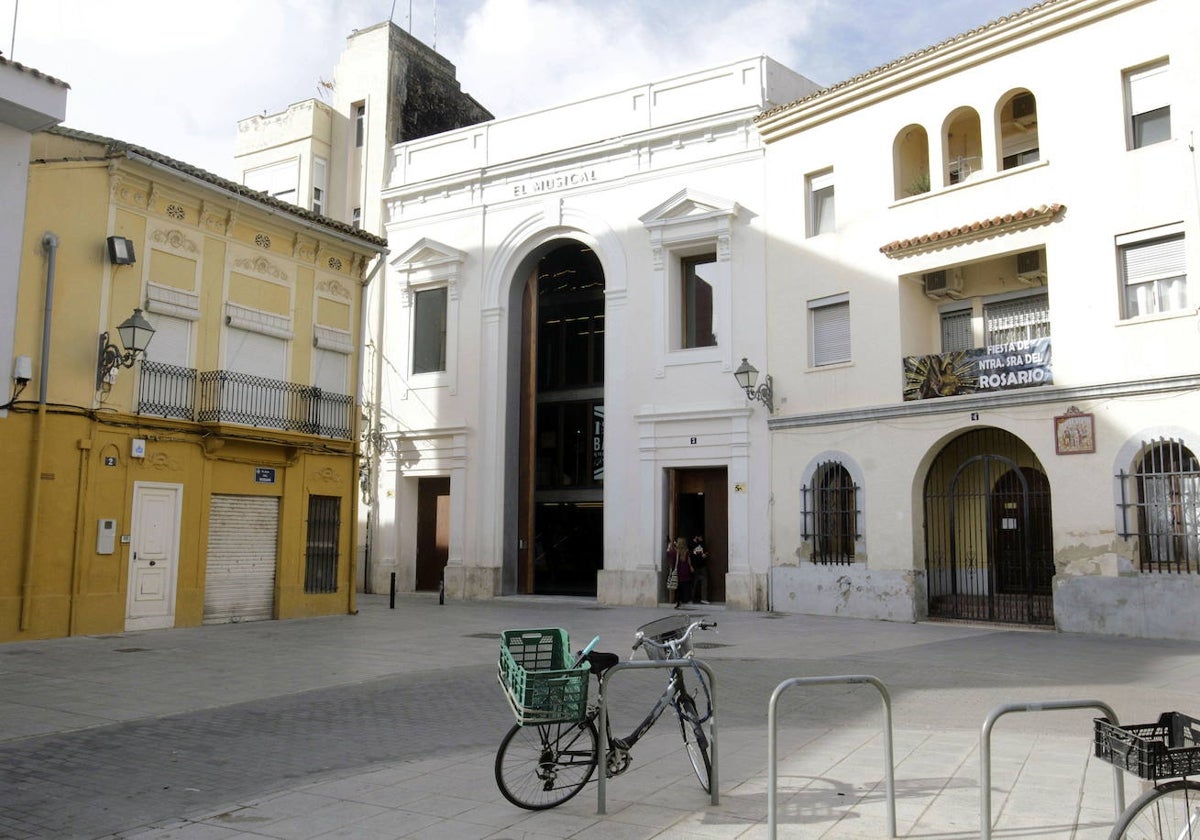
(118, 148)
(969, 231)
(903, 60)
(37, 74)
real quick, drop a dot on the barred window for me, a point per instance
(1016, 319)
(321, 554)
(1164, 494)
(830, 512)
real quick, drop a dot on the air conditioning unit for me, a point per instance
(1029, 268)
(944, 283)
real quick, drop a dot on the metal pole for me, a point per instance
(713, 778)
(888, 759)
(985, 753)
(392, 593)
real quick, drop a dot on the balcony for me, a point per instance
(225, 396)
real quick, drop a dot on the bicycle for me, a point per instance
(1166, 753)
(553, 749)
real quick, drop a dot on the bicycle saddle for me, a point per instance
(601, 662)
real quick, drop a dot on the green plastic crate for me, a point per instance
(539, 682)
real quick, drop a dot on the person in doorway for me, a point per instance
(699, 570)
(683, 572)
(672, 574)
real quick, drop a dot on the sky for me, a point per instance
(175, 77)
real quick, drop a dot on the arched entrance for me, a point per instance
(561, 459)
(989, 552)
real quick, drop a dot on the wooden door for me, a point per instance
(433, 532)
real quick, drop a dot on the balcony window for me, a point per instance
(1016, 320)
(962, 145)
(910, 153)
(1019, 130)
(957, 330)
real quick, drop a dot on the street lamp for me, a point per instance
(747, 377)
(135, 332)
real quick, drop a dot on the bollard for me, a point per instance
(442, 592)
(392, 595)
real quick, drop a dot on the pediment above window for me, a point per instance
(691, 219)
(690, 206)
(430, 262)
(427, 253)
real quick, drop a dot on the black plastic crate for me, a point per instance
(1153, 751)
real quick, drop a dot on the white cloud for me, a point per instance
(176, 75)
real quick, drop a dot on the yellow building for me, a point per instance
(213, 475)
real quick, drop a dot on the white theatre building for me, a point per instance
(570, 292)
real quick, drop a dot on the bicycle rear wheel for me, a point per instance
(1170, 811)
(544, 765)
(695, 738)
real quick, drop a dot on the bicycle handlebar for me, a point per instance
(700, 624)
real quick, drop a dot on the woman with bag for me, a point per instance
(683, 573)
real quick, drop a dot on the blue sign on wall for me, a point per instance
(264, 475)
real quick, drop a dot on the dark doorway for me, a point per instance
(433, 531)
(699, 505)
(989, 552)
(561, 470)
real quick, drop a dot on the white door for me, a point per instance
(153, 555)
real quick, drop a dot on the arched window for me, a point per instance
(1167, 479)
(962, 146)
(1017, 121)
(910, 157)
(831, 514)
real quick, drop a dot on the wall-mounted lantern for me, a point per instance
(135, 333)
(747, 377)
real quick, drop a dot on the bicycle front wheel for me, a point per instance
(1170, 811)
(695, 738)
(543, 765)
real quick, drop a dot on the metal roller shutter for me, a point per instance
(240, 576)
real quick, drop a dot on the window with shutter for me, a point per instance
(957, 333)
(830, 330)
(1153, 273)
(1147, 98)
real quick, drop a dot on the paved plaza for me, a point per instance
(385, 725)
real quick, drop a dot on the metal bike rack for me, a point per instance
(985, 753)
(888, 761)
(657, 663)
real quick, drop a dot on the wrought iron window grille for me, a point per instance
(830, 514)
(1160, 507)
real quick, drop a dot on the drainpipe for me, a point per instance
(372, 425)
(50, 245)
(376, 425)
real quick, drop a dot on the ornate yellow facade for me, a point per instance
(215, 479)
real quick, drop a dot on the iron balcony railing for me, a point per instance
(225, 396)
